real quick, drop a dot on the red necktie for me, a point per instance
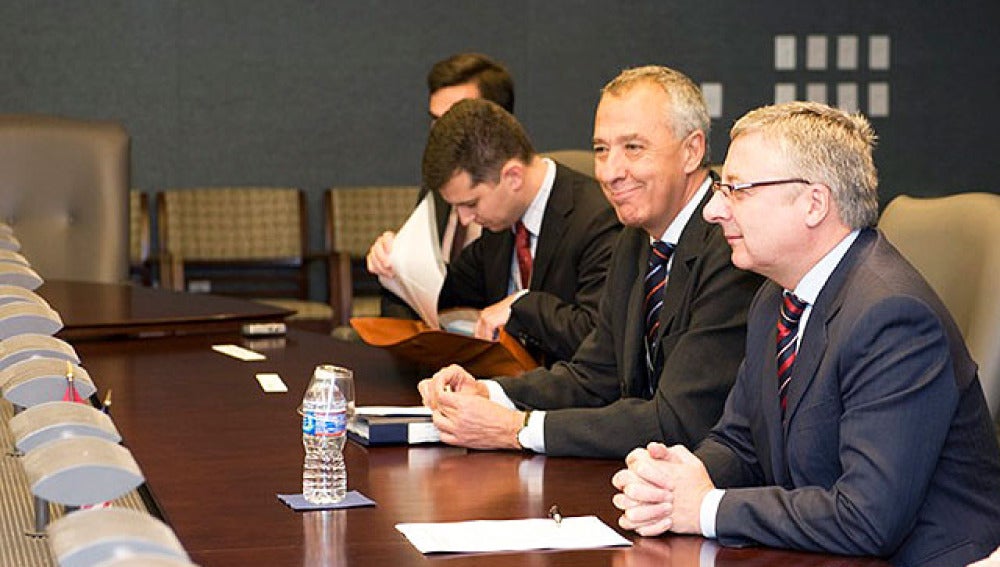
(522, 246)
(788, 325)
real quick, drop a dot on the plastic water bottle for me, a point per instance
(324, 424)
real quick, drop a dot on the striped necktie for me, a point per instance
(788, 325)
(656, 279)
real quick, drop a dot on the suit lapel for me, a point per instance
(689, 248)
(499, 263)
(769, 392)
(634, 343)
(557, 209)
(815, 340)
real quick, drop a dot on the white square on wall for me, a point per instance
(784, 52)
(816, 92)
(847, 97)
(847, 52)
(878, 52)
(878, 100)
(816, 52)
(713, 98)
(784, 92)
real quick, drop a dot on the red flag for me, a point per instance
(71, 394)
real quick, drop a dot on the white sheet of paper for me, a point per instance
(416, 258)
(583, 532)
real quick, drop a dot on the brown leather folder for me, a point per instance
(415, 341)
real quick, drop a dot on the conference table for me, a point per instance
(95, 310)
(215, 450)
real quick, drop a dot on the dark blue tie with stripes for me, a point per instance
(788, 325)
(656, 280)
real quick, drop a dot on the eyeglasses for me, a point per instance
(729, 189)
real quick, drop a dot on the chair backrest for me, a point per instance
(139, 236)
(578, 160)
(244, 240)
(63, 188)
(954, 242)
(355, 217)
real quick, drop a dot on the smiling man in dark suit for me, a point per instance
(539, 267)
(671, 324)
(857, 424)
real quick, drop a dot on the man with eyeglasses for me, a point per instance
(857, 424)
(671, 324)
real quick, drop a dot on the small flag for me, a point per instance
(71, 394)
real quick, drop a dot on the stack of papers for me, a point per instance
(417, 261)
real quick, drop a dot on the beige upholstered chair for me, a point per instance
(355, 217)
(242, 241)
(140, 266)
(955, 243)
(579, 160)
(64, 191)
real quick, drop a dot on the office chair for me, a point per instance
(577, 160)
(355, 217)
(64, 191)
(241, 241)
(140, 264)
(954, 242)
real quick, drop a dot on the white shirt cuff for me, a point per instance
(709, 510)
(498, 395)
(531, 437)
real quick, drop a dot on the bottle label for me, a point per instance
(324, 425)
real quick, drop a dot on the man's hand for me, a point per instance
(661, 490)
(494, 317)
(452, 378)
(477, 423)
(377, 259)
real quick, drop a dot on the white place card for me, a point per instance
(239, 352)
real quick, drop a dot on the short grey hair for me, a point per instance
(688, 111)
(824, 145)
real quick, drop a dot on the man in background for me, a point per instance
(539, 267)
(461, 76)
(857, 424)
(672, 321)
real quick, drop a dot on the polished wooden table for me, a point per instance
(92, 310)
(215, 450)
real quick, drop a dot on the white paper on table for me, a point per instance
(416, 258)
(583, 532)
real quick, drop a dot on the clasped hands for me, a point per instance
(661, 489)
(464, 414)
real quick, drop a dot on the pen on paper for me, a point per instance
(555, 514)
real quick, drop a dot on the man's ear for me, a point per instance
(694, 150)
(820, 204)
(512, 174)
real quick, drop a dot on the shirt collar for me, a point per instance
(673, 232)
(532, 218)
(812, 283)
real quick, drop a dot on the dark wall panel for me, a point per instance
(318, 93)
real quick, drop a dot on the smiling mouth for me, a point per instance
(622, 194)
